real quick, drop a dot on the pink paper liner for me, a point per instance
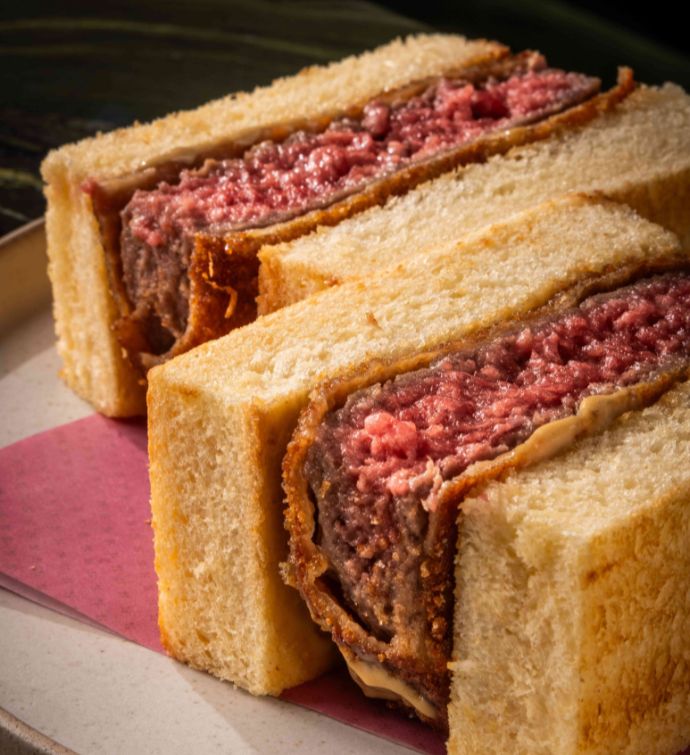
(75, 522)
(75, 537)
(347, 704)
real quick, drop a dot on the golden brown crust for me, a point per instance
(309, 569)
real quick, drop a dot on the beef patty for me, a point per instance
(377, 464)
(273, 181)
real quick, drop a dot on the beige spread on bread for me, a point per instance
(376, 682)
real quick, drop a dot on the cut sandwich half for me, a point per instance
(381, 462)
(171, 232)
(221, 416)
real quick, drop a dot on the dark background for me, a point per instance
(663, 22)
(70, 69)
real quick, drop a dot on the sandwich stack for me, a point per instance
(524, 589)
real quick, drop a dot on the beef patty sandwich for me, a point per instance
(101, 299)
(533, 586)
(162, 223)
(377, 472)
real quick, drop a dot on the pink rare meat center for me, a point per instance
(412, 433)
(307, 168)
(376, 463)
(274, 182)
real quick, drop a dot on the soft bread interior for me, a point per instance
(220, 418)
(572, 626)
(638, 154)
(93, 363)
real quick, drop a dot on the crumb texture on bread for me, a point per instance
(638, 154)
(572, 625)
(94, 365)
(221, 415)
(219, 543)
(83, 309)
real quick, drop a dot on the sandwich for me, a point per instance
(571, 611)
(382, 460)
(221, 418)
(153, 231)
(637, 153)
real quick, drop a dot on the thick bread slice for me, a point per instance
(221, 415)
(572, 628)
(84, 311)
(638, 154)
